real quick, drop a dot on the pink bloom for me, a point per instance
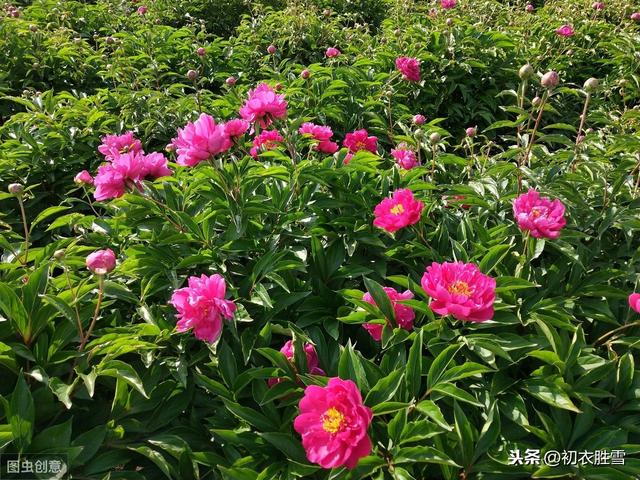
(201, 52)
(461, 290)
(635, 16)
(419, 119)
(333, 423)
(541, 216)
(409, 67)
(202, 305)
(201, 140)
(471, 132)
(360, 140)
(322, 134)
(155, 166)
(263, 106)
(267, 140)
(332, 52)
(565, 31)
(404, 314)
(101, 262)
(529, 7)
(347, 158)
(83, 178)
(634, 301)
(397, 212)
(236, 127)
(312, 360)
(406, 158)
(113, 145)
(109, 182)
(271, 49)
(598, 6)
(141, 10)
(305, 74)
(447, 4)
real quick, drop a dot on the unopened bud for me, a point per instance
(525, 72)
(231, 81)
(536, 101)
(471, 132)
(591, 85)
(59, 254)
(201, 52)
(192, 75)
(16, 188)
(434, 137)
(305, 74)
(550, 80)
(271, 49)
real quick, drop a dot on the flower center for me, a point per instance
(460, 288)
(332, 421)
(360, 145)
(398, 209)
(538, 211)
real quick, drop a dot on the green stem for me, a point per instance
(26, 230)
(85, 339)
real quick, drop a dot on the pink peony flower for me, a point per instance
(201, 140)
(333, 423)
(267, 140)
(447, 4)
(83, 178)
(471, 132)
(404, 314)
(565, 31)
(322, 134)
(409, 67)
(332, 52)
(461, 290)
(113, 145)
(236, 127)
(634, 301)
(202, 305)
(406, 158)
(347, 158)
(399, 211)
(109, 182)
(155, 165)
(539, 215)
(419, 119)
(263, 106)
(312, 360)
(360, 140)
(101, 262)
(598, 6)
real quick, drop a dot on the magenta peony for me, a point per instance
(565, 31)
(360, 140)
(406, 158)
(113, 145)
(200, 140)
(541, 216)
(409, 67)
(333, 423)
(322, 134)
(332, 52)
(83, 178)
(236, 127)
(263, 106)
(404, 314)
(634, 302)
(267, 140)
(202, 305)
(397, 212)
(461, 290)
(447, 4)
(101, 262)
(312, 360)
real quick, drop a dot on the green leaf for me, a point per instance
(350, 367)
(550, 393)
(22, 415)
(14, 310)
(454, 392)
(431, 410)
(440, 364)
(493, 257)
(385, 389)
(414, 366)
(422, 454)
(124, 371)
(465, 434)
(381, 299)
(287, 444)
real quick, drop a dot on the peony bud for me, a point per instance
(35, 66)
(101, 261)
(326, 12)
(598, 5)
(536, 101)
(192, 75)
(16, 188)
(591, 85)
(271, 49)
(529, 8)
(419, 119)
(550, 80)
(33, 28)
(471, 132)
(110, 40)
(305, 74)
(230, 81)
(449, 22)
(278, 86)
(525, 72)
(588, 131)
(83, 178)
(141, 10)
(201, 52)
(59, 254)
(580, 139)
(635, 16)
(434, 137)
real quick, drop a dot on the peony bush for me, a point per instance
(340, 241)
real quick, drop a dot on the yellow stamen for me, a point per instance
(460, 288)
(332, 421)
(398, 209)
